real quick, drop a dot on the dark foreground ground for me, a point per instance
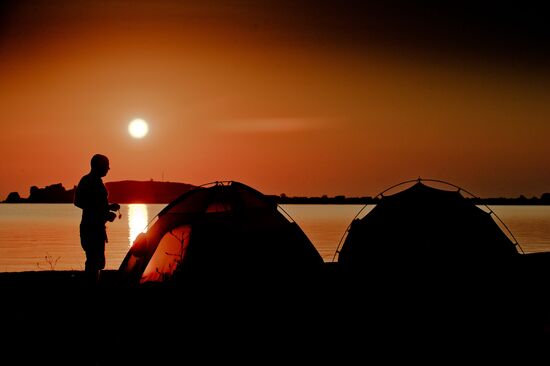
(50, 317)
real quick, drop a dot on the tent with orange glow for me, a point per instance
(223, 233)
(421, 227)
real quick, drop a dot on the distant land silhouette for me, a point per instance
(131, 191)
(521, 200)
(126, 191)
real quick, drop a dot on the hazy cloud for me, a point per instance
(270, 125)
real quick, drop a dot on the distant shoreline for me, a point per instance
(333, 201)
(154, 192)
(372, 201)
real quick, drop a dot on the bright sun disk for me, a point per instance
(138, 128)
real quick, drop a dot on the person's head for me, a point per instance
(100, 165)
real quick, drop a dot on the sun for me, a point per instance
(138, 128)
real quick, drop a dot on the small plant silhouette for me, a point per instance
(51, 261)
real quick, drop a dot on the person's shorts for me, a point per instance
(94, 246)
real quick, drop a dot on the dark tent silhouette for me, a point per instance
(227, 233)
(427, 266)
(423, 225)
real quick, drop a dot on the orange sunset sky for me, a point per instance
(303, 98)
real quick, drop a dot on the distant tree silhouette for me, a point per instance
(13, 197)
(54, 193)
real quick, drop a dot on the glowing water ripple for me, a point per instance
(138, 218)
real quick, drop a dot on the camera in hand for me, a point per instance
(114, 207)
(111, 216)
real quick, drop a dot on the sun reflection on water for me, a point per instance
(138, 217)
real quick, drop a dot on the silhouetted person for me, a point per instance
(91, 196)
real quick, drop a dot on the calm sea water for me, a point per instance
(45, 236)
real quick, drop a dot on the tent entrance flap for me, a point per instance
(169, 254)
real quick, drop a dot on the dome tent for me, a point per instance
(223, 233)
(237, 272)
(425, 225)
(427, 266)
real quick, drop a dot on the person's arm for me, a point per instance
(79, 198)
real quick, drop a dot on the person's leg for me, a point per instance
(95, 261)
(91, 273)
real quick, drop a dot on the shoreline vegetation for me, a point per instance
(130, 191)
